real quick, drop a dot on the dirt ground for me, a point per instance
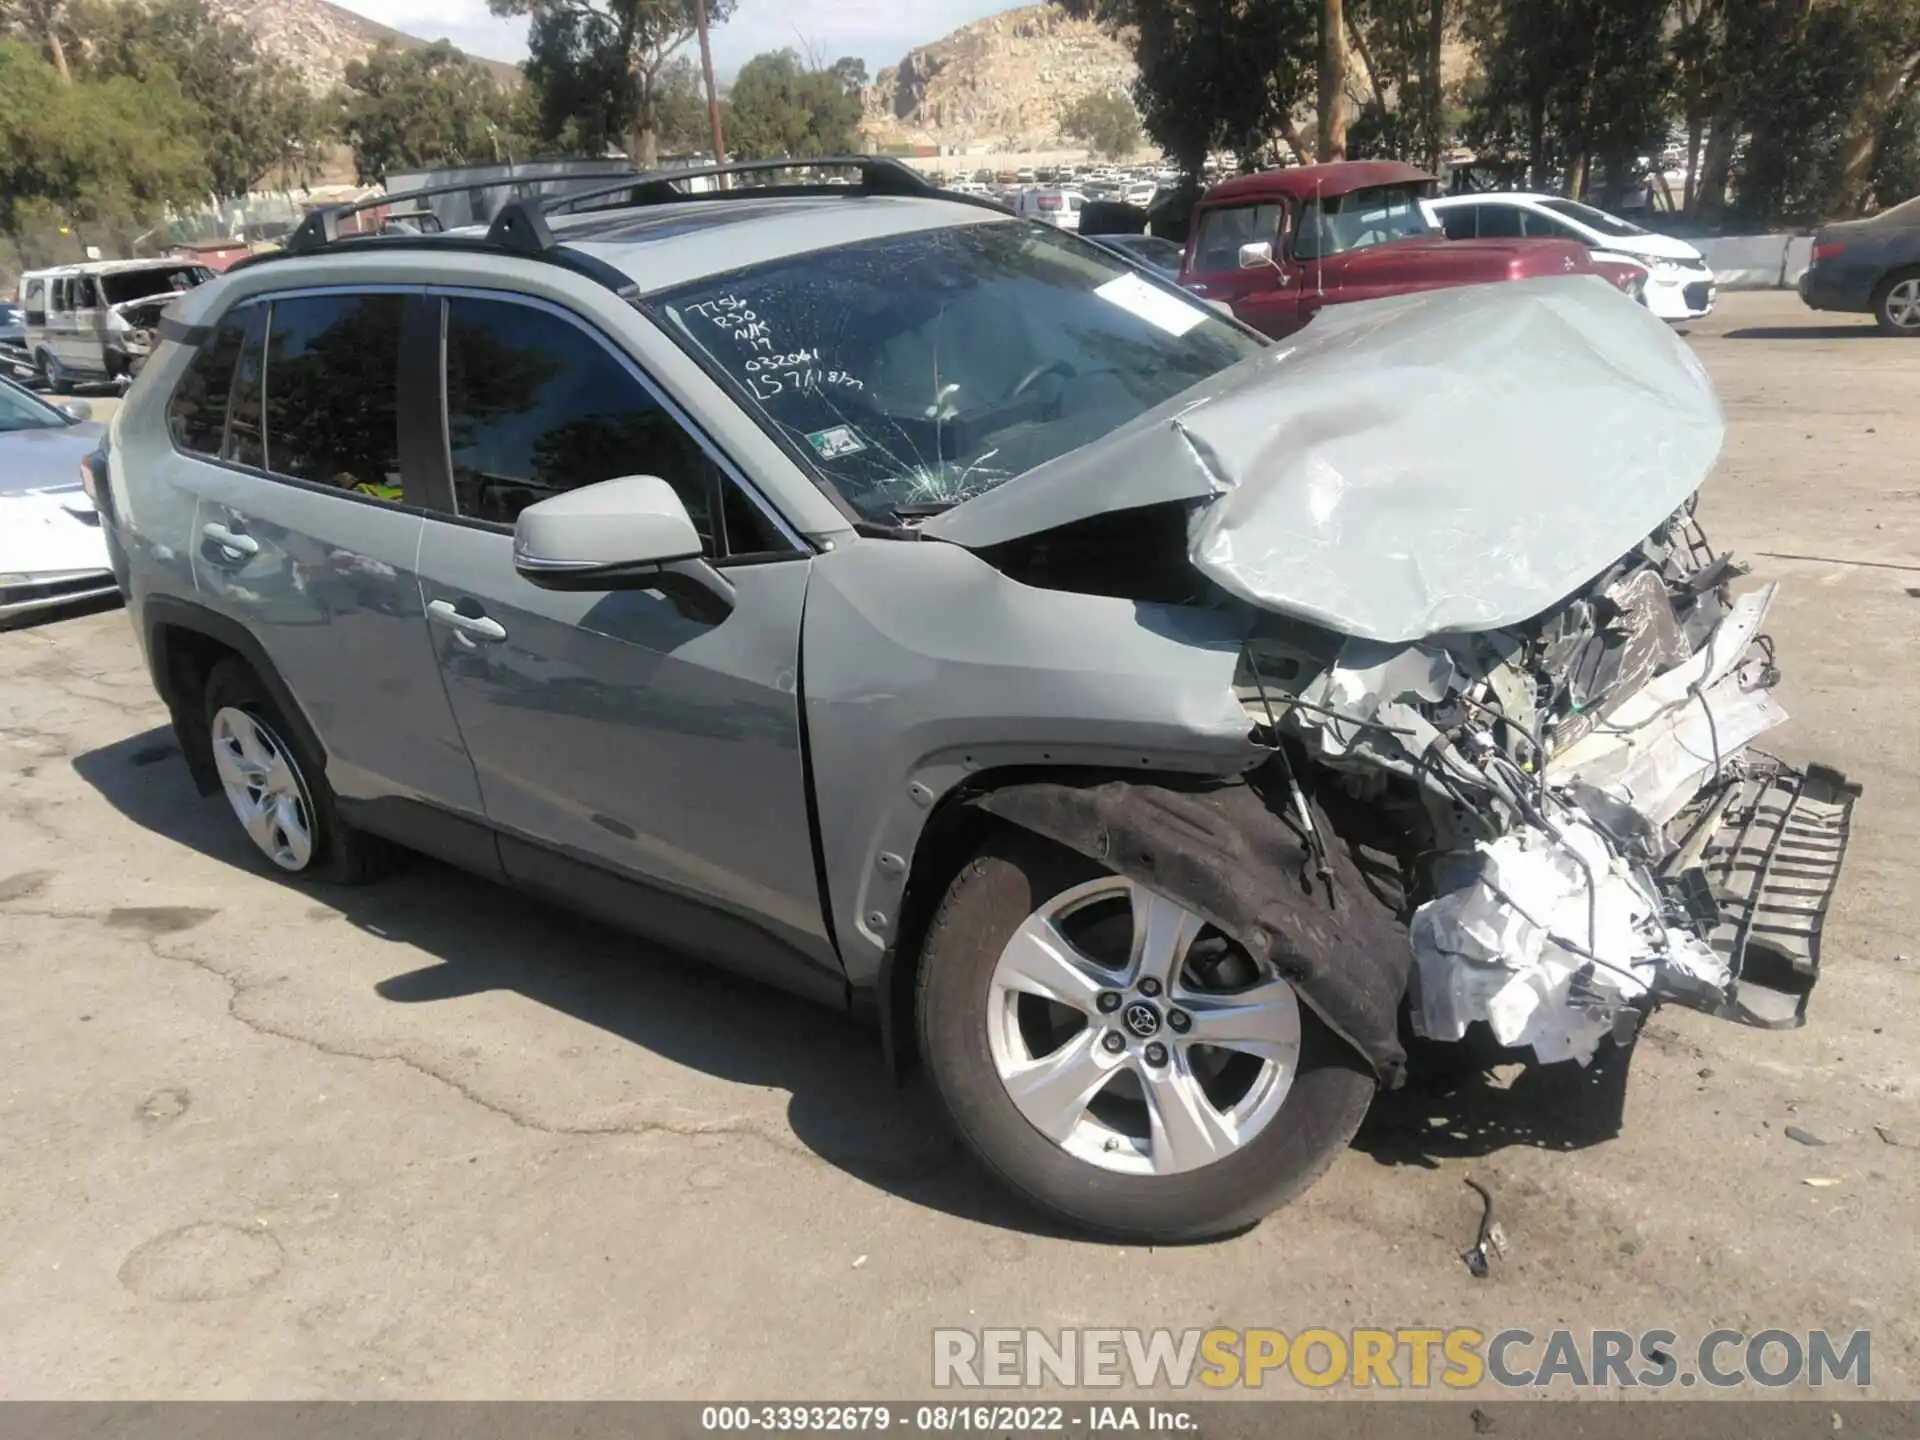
(433, 1139)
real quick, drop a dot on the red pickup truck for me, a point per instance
(1278, 245)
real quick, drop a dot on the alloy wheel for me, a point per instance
(1137, 1037)
(1903, 304)
(264, 786)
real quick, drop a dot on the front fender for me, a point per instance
(923, 667)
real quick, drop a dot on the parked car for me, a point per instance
(15, 362)
(1680, 283)
(1150, 252)
(1051, 204)
(932, 614)
(1871, 267)
(97, 321)
(51, 549)
(1281, 245)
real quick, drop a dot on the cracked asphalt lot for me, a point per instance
(433, 1139)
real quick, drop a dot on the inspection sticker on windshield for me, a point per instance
(1155, 306)
(835, 443)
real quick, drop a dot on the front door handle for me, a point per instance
(233, 540)
(475, 627)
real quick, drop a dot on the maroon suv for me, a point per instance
(1280, 244)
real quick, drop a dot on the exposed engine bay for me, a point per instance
(1582, 826)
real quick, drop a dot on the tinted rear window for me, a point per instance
(197, 414)
(332, 369)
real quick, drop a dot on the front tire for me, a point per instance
(1118, 1061)
(1896, 304)
(279, 793)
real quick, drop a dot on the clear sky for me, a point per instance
(878, 31)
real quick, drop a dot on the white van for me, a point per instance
(96, 321)
(1053, 205)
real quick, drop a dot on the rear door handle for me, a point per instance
(476, 627)
(232, 540)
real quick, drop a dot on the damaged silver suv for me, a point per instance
(921, 609)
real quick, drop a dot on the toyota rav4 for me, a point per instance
(924, 610)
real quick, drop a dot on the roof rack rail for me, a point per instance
(322, 224)
(521, 225)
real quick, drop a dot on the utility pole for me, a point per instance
(713, 94)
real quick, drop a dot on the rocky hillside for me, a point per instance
(318, 39)
(1003, 81)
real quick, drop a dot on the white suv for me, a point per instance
(1680, 285)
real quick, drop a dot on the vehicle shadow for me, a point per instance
(482, 936)
(1864, 329)
(1466, 1110)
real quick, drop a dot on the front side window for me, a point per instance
(1377, 215)
(536, 406)
(332, 372)
(1225, 230)
(1545, 227)
(914, 371)
(1593, 219)
(197, 413)
(1499, 222)
(1458, 221)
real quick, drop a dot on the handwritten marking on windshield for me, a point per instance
(734, 316)
(766, 386)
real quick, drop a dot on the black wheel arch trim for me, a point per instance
(161, 615)
(1239, 859)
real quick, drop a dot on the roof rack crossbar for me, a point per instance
(521, 224)
(322, 225)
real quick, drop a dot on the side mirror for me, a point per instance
(1255, 255)
(627, 534)
(76, 410)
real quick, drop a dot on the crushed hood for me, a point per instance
(1454, 460)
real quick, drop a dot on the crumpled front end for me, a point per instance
(1590, 828)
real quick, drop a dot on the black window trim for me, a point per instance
(799, 546)
(406, 505)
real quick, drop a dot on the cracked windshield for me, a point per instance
(920, 370)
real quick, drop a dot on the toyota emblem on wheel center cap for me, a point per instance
(1141, 1018)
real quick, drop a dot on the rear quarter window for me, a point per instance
(197, 413)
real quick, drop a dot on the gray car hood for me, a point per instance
(1454, 460)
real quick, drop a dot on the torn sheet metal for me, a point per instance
(1511, 947)
(1455, 460)
(1660, 745)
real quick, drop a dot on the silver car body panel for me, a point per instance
(926, 667)
(1401, 468)
(661, 246)
(52, 551)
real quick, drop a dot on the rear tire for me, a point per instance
(53, 375)
(279, 792)
(1896, 304)
(1268, 1155)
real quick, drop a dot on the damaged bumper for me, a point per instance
(1595, 833)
